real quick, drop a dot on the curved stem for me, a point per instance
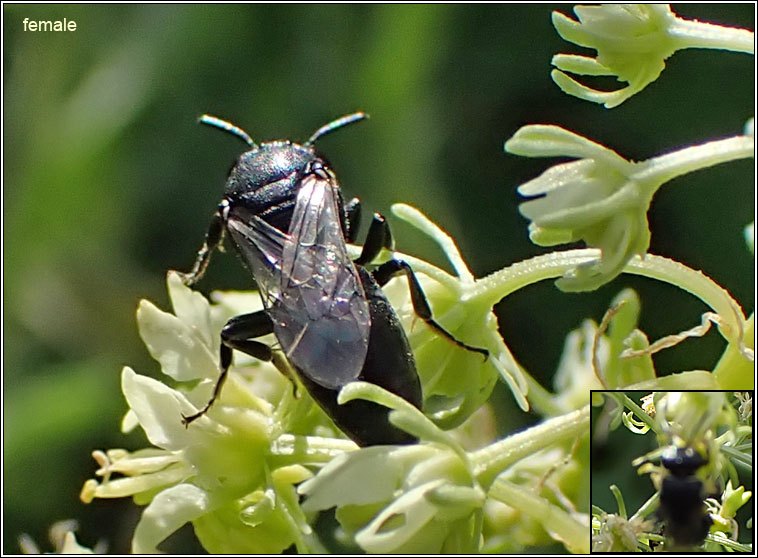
(500, 284)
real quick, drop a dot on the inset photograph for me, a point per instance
(672, 471)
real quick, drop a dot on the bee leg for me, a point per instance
(389, 269)
(378, 237)
(238, 334)
(213, 239)
(353, 219)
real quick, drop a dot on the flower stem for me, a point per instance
(698, 34)
(490, 461)
(558, 522)
(294, 448)
(683, 161)
(697, 284)
(500, 284)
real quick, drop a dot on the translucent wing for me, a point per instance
(310, 285)
(261, 245)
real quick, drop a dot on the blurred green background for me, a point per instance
(108, 182)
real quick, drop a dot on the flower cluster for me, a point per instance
(253, 474)
(632, 43)
(236, 474)
(602, 198)
(231, 474)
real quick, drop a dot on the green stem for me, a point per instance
(698, 34)
(490, 461)
(559, 523)
(640, 413)
(663, 168)
(493, 288)
(695, 283)
(291, 448)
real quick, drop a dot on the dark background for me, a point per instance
(109, 181)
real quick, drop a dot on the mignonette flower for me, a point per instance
(591, 358)
(232, 472)
(421, 498)
(434, 497)
(591, 355)
(614, 533)
(463, 305)
(63, 539)
(602, 198)
(693, 413)
(575, 375)
(732, 500)
(632, 42)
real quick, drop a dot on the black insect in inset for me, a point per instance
(284, 211)
(682, 507)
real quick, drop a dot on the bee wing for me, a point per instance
(325, 323)
(262, 246)
(311, 287)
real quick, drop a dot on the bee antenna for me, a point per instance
(334, 124)
(228, 127)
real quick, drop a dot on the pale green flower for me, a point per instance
(212, 474)
(232, 472)
(632, 43)
(614, 533)
(420, 499)
(575, 375)
(594, 199)
(602, 198)
(63, 539)
(464, 306)
(732, 500)
(623, 336)
(688, 415)
(598, 357)
(592, 355)
(725, 528)
(433, 497)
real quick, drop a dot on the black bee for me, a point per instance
(682, 495)
(284, 211)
